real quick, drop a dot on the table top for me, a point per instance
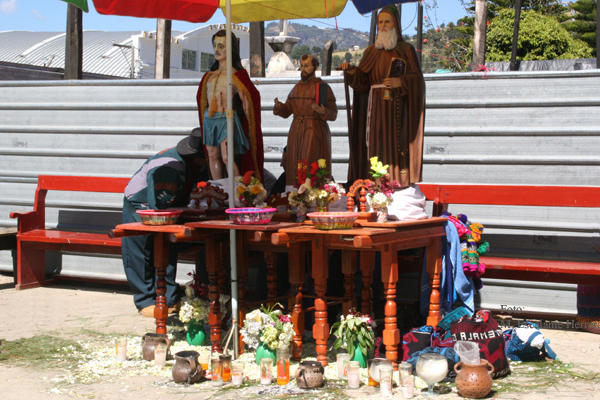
(140, 227)
(402, 224)
(228, 224)
(357, 230)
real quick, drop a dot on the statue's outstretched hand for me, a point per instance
(277, 105)
(347, 67)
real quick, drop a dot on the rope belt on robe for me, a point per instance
(302, 119)
(368, 130)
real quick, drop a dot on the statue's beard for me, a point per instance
(386, 40)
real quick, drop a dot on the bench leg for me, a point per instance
(31, 266)
(296, 257)
(434, 269)
(367, 266)
(349, 270)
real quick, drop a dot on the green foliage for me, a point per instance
(540, 38)
(354, 329)
(348, 57)
(583, 23)
(298, 51)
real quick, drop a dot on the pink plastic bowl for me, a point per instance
(251, 215)
(333, 220)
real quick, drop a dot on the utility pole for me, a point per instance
(257, 49)
(420, 32)
(74, 43)
(480, 33)
(515, 43)
(163, 49)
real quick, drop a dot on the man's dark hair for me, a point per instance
(315, 62)
(236, 61)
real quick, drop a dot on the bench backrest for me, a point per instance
(93, 184)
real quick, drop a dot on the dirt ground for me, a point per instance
(76, 312)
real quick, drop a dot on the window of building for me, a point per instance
(206, 61)
(188, 59)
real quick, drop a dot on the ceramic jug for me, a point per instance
(309, 375)
(474, 381)
(187, 369)
(149, 342)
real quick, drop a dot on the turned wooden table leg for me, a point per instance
(349, 270)
(320, 273)
(271, 260)
(161, 261)
(367, 266)
(213, 266)
(389, 277)
(434, 270)
(296, 257)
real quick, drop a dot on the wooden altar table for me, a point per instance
(368, 237)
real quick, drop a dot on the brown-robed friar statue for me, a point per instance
(389, 105)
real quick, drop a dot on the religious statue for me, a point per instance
(312, 103)
(212, 104)
(389, 105)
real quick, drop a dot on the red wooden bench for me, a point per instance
(33, 239)
(517, 195)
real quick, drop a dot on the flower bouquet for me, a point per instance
(250, 192)
(299, 198)
(267, 330)
(319, 186)
(195, 306)
(356, 333)
(381, 189)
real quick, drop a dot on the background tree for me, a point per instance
(317, 52)
(298, 51)
(335, 61)
(583, 22)
(348, 57)
(541, 37)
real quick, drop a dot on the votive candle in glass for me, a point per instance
(160, 355)
(237, 373)
(404, 370)
(385, 380)
(353, 375)
(121, 349)
(283, 366)
(408, 387)
(266, 371)
(342, 365)
(226, 360)
(204, 359)
(216, 370)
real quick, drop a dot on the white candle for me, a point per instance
(408, 391)
(160, 356)
(237, 379)
(353, 379)
(121, 349)
(342, 365)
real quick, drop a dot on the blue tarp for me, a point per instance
(366, 6)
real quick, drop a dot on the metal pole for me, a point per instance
(74, 43)
(513, 54)
(231, 181)
(480, 34)
(420, 32)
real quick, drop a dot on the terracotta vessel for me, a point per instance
(309, 375)
(149, 342)
(474, 381)
(187, 369)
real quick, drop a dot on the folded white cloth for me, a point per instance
(408, 204)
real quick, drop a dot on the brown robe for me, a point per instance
(309, 137)
(396, 126)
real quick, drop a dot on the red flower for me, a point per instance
(247, 177)
(315, 168)
(301, 171)
(201, 184)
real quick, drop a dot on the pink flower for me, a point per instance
(285, 318)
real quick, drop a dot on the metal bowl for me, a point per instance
(251, 215)
(333, 220)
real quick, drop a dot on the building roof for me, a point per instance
(47, 49)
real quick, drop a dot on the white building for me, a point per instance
(122, 54)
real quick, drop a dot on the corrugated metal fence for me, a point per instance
(537, 128)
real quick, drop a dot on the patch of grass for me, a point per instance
(44, 351)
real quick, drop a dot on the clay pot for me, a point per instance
(309, 375)
(149, 342)
(187, 369)
(474, 381)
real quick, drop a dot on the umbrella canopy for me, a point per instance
(268, 10)
(179, 10)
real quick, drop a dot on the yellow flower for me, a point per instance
(241, 189)
(254, 315)
(322, 163)
(374, 161)
(255, 189)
